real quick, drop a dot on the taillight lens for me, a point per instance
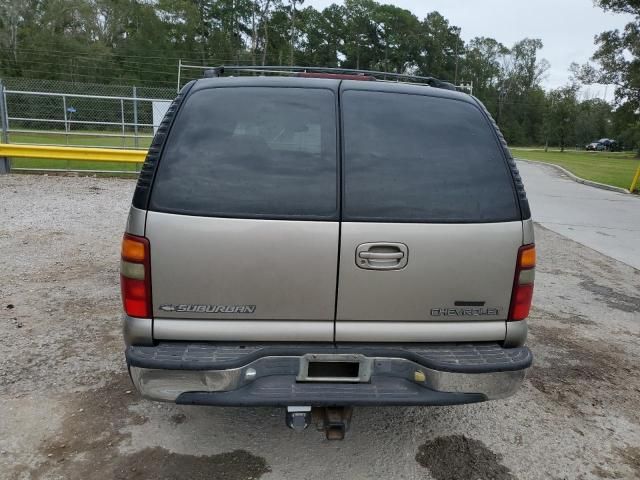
(522, 294)
(135, 276)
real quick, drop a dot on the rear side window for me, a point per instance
(251, 152)
(412, 158)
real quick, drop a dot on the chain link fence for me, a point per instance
(52, 112)
(84, 114)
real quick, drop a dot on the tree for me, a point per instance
(617, 60)
(482, 67)
(11, 19)
(360, 34)
(439, 42)
(278, 36)
(293, 27)
(561, 115)
(625, 124)
(259, 11)
(320, 36)
(520, 97)
(593, 120)
(396, 38)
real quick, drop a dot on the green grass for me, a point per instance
(92, 140)
(77, 140)
(615, 169)
(38, 163)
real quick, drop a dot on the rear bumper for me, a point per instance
(275, 375)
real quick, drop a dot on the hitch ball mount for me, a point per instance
(334, 421)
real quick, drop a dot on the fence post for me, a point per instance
(5, 162)
(124, 138)
(135, 116)
(179, 72)
(66, 120)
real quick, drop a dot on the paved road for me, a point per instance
(608, 222)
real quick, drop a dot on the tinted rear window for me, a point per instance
(251, 152)
(416, 158)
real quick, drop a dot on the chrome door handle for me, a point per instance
(381, 256)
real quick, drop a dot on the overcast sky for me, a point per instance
(566, 27)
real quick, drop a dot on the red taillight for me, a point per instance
(135, 277)
(521, 302)
(523, 283)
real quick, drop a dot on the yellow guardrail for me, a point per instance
(72, 153)
(636, 179)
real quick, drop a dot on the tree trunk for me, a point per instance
(266, 43)
(254, 30)
(293, 30)
(203, 48)
(235, 35)
(386, 57)
(14, 42)
(263, 19)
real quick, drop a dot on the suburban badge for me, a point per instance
(464, 312)
(189, 308)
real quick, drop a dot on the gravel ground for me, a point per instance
(68, 410)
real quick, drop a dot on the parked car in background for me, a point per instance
(609, 144)
(604, 144)
(595, 147)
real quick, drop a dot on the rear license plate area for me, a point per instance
(334, 368)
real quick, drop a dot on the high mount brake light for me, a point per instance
(135, 276)
(522, 294)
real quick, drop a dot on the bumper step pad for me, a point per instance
(461, 358)
(282, 391)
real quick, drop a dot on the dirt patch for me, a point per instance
(158, 463)
(178, 418)
(87, 445)
(566, 318)
(581, 373)
(631, 457)
(613, 298)
(600, 472)
(457, 457)
(628, 333)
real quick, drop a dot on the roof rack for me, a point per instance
(210, 72)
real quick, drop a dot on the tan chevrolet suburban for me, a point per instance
(320, 239)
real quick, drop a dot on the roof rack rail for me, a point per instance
(210, 72)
